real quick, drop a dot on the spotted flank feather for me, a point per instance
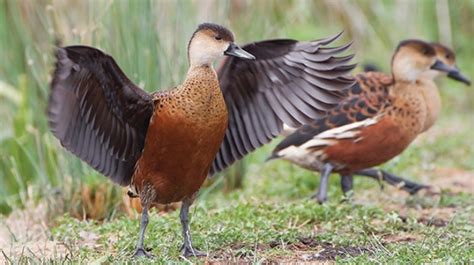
(362, 108)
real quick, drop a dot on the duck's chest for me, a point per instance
(183, 137)
(190, 118)
(409, 110)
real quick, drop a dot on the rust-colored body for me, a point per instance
(185, 133)
(381, 142)
(380, 116)
(392, 114)
(402, 113)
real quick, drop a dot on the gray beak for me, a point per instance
(453, 72)
(457, 75)
(236, 51)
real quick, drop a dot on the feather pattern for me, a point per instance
(97, 113)
(362, 107)
(290, 82)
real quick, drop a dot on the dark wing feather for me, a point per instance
(365, 99)
(290, 82)
(97, 113)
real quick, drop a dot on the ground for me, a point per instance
(272, 218)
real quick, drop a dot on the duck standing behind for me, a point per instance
(433, 103)
(382, 115)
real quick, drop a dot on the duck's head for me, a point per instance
(210, 42)
(415, 59)
(447, 56)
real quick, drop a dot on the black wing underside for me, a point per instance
(290, 82)
(97, 113)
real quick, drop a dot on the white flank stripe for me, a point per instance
(348, 131)
(292, 151)
(317, 142)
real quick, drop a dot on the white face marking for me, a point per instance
(431, 74)
(204, 50)
(406, 70)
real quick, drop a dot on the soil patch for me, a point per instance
(303, 250)
(453, 180)
(25, 233)
(399, 238)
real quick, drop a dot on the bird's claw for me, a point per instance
(190, 251)
(140, 252)
(319, 198)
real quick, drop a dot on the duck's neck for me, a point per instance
(199, 68)
(202, 72)
(201, 79)
(203, 94)
(417, 104)
(404, 70)
(430, 93)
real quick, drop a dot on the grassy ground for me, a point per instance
(273, 219)
(58, 209)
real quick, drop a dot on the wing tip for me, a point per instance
(330, 39)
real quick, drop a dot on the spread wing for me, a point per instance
(97, 113)
(365, 100)
(290, 82)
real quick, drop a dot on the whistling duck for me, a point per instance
(379, 118)
(433, 100)
(163, 145)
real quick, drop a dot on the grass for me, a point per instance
(264, 223)
(267, 218)
(272, 218)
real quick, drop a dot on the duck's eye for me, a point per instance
(447, 56)
(426, 51)
(218, 38)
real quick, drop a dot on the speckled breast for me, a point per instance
(184, 136)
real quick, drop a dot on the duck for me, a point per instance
(379, 118)
(433, 99)
(163, 145)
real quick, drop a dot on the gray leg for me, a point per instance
(322, 194)
(140, 250)
(402, 183)
(346, 183)
(372, 173)
(187, 250)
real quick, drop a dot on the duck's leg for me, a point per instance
(402, 183)
(140, 250)
(346, 183)
(187, 249)
(322, 194)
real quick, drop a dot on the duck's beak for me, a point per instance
(236, 51)
(457, 75)
(453, 72)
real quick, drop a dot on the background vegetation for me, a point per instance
(148, 39)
